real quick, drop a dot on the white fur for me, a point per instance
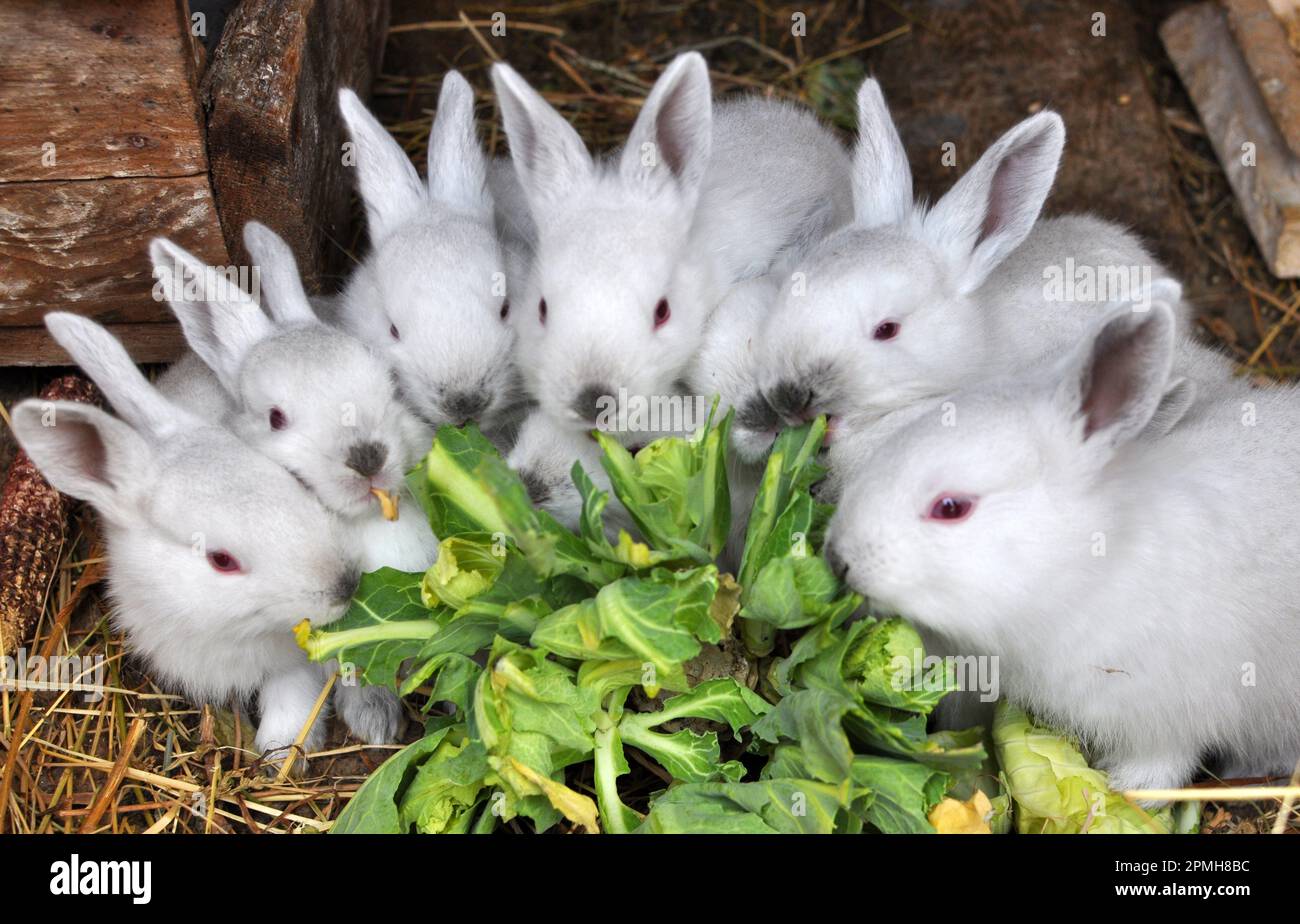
(436, 273)
(698, 198)
(727, 366)
(335, 393)
(964, 280)
(1138, 585)
(543, 456)
(171, 488)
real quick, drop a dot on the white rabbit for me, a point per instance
(543, 455)
(854, 437)
(911, 302)
(727, 366)
(432, 293)
(635, 251)
(1139, 591)
(311, 397)
(214, 551)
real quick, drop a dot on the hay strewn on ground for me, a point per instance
(140, 759)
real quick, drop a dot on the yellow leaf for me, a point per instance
(953, 817)
(387, 502)
(726, 602)
(301, 633)
(572, 805)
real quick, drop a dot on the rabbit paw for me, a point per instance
(285, 702)
(1150, 771)
(373, 714)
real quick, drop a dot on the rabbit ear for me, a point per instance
(457, 167)
(882, 178)
(993, 207)
(220, 321)
(281, 285)
(549, 156)
(86, 453)
(1119, 378)
(390, 186)
(106, 361)
(674, 129)
(1177, 400)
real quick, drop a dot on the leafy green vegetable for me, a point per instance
(1054, 789)
(553, 662)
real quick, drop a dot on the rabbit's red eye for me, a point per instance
(505, 310)
(393, 332)
(223, 561)
(541, 311)
(662, 313)
(950, 508)
(886, 330)
(277, 419)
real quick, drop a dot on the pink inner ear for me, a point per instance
(1007, 188)
(1111, 383)
(673, 129)
(87, 448)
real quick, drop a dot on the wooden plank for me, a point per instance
(33, 346)
(1262, 38)
(109, 83)
(274, 131)
(83, 245)
(1256, 158)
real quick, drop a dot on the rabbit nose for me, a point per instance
(346, 585)
(366, 459)
(757, 414)
(791, 400)
(538, 491)
(466, 405)
(839, 567)
(588, 404)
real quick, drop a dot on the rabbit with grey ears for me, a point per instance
(1138, 590)
(911, 302)
(634, 251)
(311, 397)
(431, 295)
(214, 551)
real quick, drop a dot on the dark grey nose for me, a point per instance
(538, 491)
(466, 405)
(588, 404)
(790, 399)
(756, 414)
(346, 585)
(366, 459)
(839, 567)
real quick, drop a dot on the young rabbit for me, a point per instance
(311, 397)
(726, 366)
(432, 293)
(909, 302)
(1139, 589)
(543, 455)
(214, 551)
(634, 251)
